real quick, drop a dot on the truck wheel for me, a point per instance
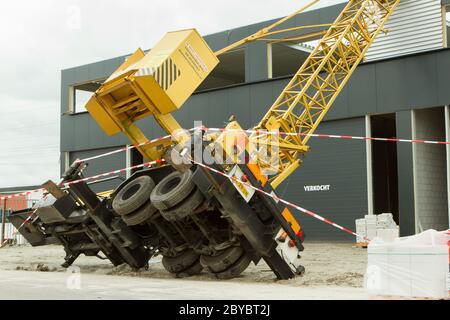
(186, 208)
(181, 262)
(172, 190)
(235, 270)
(223, 260)
(133, 195)
(193, 270)
(139, 216)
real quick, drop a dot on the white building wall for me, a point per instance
(415, 26)
(430, 170)
(11, 233)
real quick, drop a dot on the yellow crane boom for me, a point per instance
(159, 82)
(309, 95)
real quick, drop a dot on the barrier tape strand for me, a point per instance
(330, 136)
(278, 199)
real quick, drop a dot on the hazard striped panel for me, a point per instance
(146, 72)
(167, 74)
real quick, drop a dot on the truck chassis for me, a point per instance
(209, 227)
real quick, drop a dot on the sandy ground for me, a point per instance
(26, 285)
(333, 271)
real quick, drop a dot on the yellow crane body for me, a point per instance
(159, 82)
(153, 84)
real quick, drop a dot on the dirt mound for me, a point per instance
(37, 267)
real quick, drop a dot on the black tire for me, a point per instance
(133, 195)
(141, 215)
(172, 190)
(236, 269)
(180, 262)
(185, 208)
(223, 260)
(193, 270)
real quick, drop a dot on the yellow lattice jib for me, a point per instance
(309, 95)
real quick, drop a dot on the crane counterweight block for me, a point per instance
(155, 84)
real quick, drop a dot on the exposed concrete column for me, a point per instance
(70, 100)
(67, 163)
(447, 136)
(415, 170)
(256, 64)
(405, 175)
(445, 33)
(430, 170)
(64, 162)
(269, 61)
(370, 209)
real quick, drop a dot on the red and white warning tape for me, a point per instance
(90, 179)
(330, 136)
(127, 148)
(277, 199)
(122, 149)
(310, 213)
(106, 174)
(247, 131)
(159, 162)
(261, 132)
(26, 193)
(102, 175)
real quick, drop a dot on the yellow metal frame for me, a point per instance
(309, 95)
(155, 84)
(298, 110)
(267, 31)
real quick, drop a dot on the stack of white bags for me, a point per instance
(416, 266)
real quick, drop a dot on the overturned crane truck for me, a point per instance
(180, 209)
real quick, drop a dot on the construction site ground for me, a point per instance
(333, 271)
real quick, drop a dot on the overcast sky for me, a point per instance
(42, 37)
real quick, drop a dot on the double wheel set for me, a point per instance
(175, 219)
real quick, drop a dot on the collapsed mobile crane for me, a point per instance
(198, 220)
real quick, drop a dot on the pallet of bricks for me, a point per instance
(382, 226)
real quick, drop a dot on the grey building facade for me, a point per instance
(406, 95)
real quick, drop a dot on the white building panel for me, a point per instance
(416, 26)
(12, 235)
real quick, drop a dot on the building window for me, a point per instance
(287, 58)
(80, 95)
(81, 98)
(230, 71)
